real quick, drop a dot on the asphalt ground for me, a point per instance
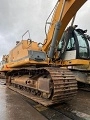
(14, 106)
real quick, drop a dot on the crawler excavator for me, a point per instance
(42, 71)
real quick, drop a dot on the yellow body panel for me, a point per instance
(25, 62)
(21, 50)
(74, 62)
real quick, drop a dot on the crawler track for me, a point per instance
(62, 85)
(65, 85)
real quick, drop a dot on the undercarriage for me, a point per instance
(47, 86)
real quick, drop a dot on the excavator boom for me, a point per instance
(69, 10)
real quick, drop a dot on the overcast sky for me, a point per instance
(18, 16)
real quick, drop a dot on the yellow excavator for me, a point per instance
(43, 71)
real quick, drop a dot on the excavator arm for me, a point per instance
(63, 13)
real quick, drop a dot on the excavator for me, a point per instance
(47, 73)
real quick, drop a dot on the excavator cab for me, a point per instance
(74, 44)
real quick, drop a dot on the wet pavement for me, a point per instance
(13, 107)
(78, 108)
